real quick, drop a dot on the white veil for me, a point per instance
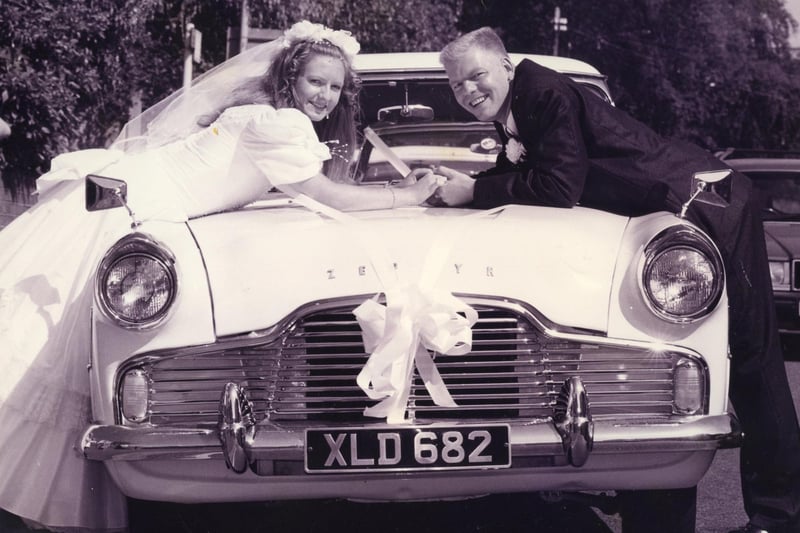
(178, 115)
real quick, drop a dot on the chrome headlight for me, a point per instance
(137, 282)
(779, 272)
(682, 276)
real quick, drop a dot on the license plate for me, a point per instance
(407, 448)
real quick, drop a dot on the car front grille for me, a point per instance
(306, 371)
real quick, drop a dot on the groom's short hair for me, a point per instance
(484, 38)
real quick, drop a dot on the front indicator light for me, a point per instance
(135, 395)
(688, 387)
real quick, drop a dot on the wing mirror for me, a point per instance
(405, 113)
(709, 189)
(108, 193)
(104, 193)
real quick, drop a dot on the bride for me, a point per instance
(234, 135)
(272, 130)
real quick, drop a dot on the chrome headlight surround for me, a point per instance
(687, 267)
(137, 282)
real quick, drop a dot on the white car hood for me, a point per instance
(264, 262)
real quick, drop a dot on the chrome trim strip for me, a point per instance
(675, 434)
(269, 334)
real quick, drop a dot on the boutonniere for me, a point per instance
(515, 151)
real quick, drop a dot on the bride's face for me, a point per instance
(319, 86)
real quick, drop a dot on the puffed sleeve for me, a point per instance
(282, 146)
(76, 165)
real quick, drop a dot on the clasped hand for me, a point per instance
(454, 188)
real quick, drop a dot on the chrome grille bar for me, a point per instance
(308, 372)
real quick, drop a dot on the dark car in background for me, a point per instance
(776, 181)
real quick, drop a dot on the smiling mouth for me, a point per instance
(319, 108)
(478, 101)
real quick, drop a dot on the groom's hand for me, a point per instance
(459, 188)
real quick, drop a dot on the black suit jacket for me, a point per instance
(581, 149)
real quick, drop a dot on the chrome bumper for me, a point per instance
(570, 437)
(537, 439)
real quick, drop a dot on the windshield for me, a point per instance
(418, 117)
(778, 193)
(467, 147)
(436, 94)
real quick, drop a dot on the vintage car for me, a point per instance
(592, 348)
(776, 178)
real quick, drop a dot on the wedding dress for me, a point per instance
(47, 259)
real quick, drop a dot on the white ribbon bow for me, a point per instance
(399, 335)
(417, 317)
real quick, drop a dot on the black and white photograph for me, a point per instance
(474, 266)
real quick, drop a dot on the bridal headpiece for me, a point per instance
(309, 31)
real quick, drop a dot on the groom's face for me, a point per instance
(481, 81)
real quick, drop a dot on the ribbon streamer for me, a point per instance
(390, 155)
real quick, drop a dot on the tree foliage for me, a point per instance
(69, 72)
(380, 25)
(717, 73)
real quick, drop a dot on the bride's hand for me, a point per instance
(417, 192)
(413, 177)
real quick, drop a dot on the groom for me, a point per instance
(563, 145)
